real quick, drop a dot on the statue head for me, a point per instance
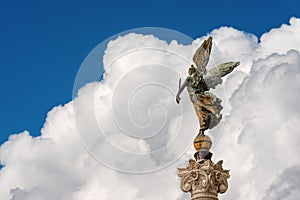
(192, 70)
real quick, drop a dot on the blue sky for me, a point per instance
(42, 44)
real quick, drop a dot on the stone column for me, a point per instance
(204, 180)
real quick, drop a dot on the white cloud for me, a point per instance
(259, 143)
(286, 185)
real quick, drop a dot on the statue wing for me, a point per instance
(202, 54)
(214, 76)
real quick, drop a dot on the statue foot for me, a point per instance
(201, 131)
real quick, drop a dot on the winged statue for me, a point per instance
(198, 83)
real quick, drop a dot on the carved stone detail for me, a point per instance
(204, 180)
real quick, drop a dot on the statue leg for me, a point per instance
(208, 108)
(203, 115)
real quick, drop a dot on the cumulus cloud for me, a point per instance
(124, 137)
(286, 185)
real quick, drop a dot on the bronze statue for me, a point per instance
(207, 106)
(202, 178)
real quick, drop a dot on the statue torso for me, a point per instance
(197, 84)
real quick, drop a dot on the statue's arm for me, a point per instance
(181, 90)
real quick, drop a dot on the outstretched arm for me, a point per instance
(181, 88)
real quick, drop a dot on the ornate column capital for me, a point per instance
(204, 180)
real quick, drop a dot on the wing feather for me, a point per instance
(201, 56)
(214, 76)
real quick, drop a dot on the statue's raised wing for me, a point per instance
(214, 76)
(202, 54)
